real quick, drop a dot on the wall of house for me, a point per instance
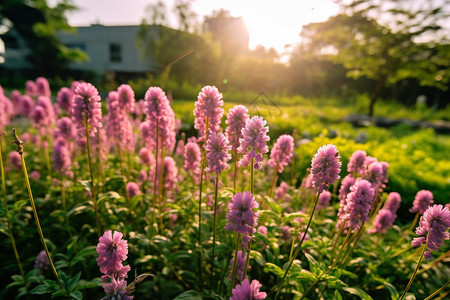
(109, 48)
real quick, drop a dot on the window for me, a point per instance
(115, 52)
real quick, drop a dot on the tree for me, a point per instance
(37, 23)
(386, 41)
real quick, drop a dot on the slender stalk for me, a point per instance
(160, 188)
(154, 180)
(440, 258)
(36, 218)
(416, 218)
(298, 247)
(64, 205)
(438, 291)
(252, 183)
(348, 254)
(274, 181)
(340, 251)
(310, 289)
(424, 247)
(235, 170)
(214, 233)
(247, 260)
(47, 159)
(338, 235)
(91, 172)
(233, 272)
(8, 221)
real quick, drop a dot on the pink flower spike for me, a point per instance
(208, 106)
(112, 251)
(86, 107)
(236, 119)
(281, 152)
(325, 167)
(422, 201)
(359, 203)
(217, 149)
(246, 291)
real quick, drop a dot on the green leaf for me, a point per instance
(358, 292)
(73, 282)
(189, 295)
(42, 289)
(76, 295)
(59, 293)
(109, 196)
(258, 257)
(391, 288)
(270, 267)
(305, 276)
(313, 264)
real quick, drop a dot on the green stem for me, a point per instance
(252, 175)
(233, 272)
(154, 181)
(91, 172)
(438, 291)
(416, 218)
(440, 258)
(348, 254)
(247, 260)
(214, 233)
(340, 251)
(338, 235)
(274, 181)
(36, 218)
(13, 241)
(298, 247)
(424, 247)
(235, 170)
(160, 188)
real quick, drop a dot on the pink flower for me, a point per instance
(86, 107)
(240, 265)
(65, 99)
(236, 118)
(117, 289)
(65, 129)
(31, 88)
(281, 191)
(146, 157)
(286, 232)
(61, 157)
(132, 189)
(217, 148)
(383, 221)
(422, 201)
(433, 228)
(324, 200)
(356, 162)
(26, 106)
(192, 159)
(393, 202)
(359, 203)
(112, 251)
(208, 107)
(35, 175)
(246, 291)
(241, 217)
(325, 167)
(254, 138)
(281, 152)
(15, 160)
(41, 262)
(126, 97)
(43, 88)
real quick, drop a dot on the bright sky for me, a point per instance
(271, 23)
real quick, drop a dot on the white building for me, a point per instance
(109, 49)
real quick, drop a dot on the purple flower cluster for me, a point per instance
(254, 138)
(31, 89)
(324, 200)
(359, 203)
(217, 149)
(132, 189)
(126, 97)
(325, 167)
(61, 157)
(44, 114)
(15, 160)
(161, 118)
(240, 265)
(393, 202)
(383, 221)
(433, 228)
(65, 99)
(356, 163)
(41, 262)
(43, 87)
(246, 291)
(86, 108)
(281, 192)
(281, 152)
(208, 107)
(236, 118)
(146, 157)
(422, 201)
(241, 217)
(192, 157)
(112, 251)
(65, 129)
